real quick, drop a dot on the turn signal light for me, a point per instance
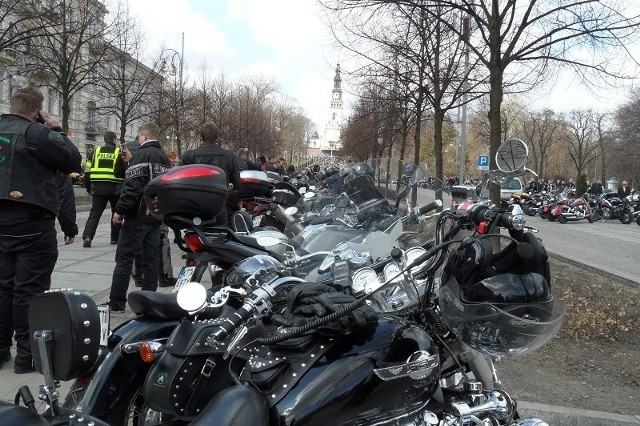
(149, 350)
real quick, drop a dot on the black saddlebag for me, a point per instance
(74, 322)
(188, 373)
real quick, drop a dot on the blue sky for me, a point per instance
(282, 39)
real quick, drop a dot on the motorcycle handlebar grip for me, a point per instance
(431, 206)
(230, 324)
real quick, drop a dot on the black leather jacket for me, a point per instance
(213, 155)
(146, 163)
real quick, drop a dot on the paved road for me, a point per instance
(609, 246)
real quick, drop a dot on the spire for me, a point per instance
(337, 80)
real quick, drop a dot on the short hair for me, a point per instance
(110, 137)
(26, 100)
(150, 128)
(209, 132)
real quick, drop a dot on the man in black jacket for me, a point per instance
(139, 228)
(32, 152)
(209, 152)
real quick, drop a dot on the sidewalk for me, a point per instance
(89, 270)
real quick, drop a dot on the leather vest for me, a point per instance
(103, 166)
(22, 177)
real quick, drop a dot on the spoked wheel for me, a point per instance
(626, 218)
(562, 219)
(590, 218)
(606, 213)
(595, 215)
(131, 409)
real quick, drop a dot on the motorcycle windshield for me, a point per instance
(501, 330)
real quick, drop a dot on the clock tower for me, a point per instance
(333, 129)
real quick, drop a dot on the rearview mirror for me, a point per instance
(512, 155)
(417, 174)
(192, 297)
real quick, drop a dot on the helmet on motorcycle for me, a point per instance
(361, 169)
(501, 304)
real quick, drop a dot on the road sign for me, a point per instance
(483, 162)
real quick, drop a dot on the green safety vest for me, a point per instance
(102, 165)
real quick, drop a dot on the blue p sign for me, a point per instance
(483, 162)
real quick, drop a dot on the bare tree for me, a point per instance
(625, 151)
(581, 139)
(540, 130)
(125, 83)
(67, 59)
(591, 36)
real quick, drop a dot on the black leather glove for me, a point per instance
(310, 301)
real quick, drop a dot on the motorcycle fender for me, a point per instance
(98, 393)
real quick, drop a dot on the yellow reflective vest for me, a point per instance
(103, 163)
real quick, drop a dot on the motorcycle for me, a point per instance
(572, 209)
(64, 346)
(398, 348)
(533, 203)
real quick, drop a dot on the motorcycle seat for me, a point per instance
(162, 306)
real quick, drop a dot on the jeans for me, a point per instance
(27, 260)
(136, 232)
(98, 204)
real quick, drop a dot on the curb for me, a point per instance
(566, 416)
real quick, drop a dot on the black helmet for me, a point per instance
(361, 169)
(244, 269)
(501, 304)
(346, 169)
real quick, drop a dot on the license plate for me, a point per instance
(103, 311)
(184, 277)
(257, 220)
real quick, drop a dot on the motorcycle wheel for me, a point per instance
(626, 218)
(606, 213)
(528, 209)
(543, 215)
(595, 214)
(562, 219)
(131, 407)
(551, 218)
(590, 218)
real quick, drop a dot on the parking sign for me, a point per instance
(483, 162)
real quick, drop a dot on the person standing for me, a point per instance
(104, 175)
(596, 188)
(209, 152)
(32, 151)
(139, 228)
(624, 190)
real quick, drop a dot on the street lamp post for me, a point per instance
(180, 114)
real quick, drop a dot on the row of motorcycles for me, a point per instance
(328, 313)
(564, 206)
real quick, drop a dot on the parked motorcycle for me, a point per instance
(533, 203)
(572, 209)
(64, 346)
(383, 351)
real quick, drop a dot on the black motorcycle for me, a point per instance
(395, 346)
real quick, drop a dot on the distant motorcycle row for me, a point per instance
(565, 206)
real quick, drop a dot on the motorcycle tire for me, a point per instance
(130, 405)
(595, 215)
(551, 218)
(606, 213)
(543, 215)
(562, 219)
(638, 220)
(528, 209)
(626, 218)
(590, 218)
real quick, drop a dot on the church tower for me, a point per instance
(333, 129)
